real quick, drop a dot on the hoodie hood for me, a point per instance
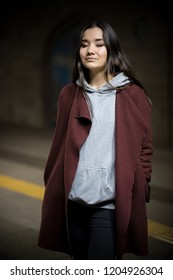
(118, 81)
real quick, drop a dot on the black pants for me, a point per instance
(91, 232)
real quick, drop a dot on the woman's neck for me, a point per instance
(98, 80)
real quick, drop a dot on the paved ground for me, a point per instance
(23, 154)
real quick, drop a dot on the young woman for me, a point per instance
(99, 165)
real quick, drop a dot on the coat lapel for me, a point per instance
(78, 130)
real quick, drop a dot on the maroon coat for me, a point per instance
(132, 168)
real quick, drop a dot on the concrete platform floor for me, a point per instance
(23, 154)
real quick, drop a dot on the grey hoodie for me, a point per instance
(94, 181)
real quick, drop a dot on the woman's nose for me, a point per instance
(90, 49)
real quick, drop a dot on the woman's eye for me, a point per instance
(100, 45)
(84, 45)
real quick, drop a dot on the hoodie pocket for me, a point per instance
(91, 185)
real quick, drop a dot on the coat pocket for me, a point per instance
(148, 194)
(140, 177)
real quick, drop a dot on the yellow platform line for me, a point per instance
(160, 231)
(22, 187)
(155, 230)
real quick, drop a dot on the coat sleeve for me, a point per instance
(147, 145)
(147, 152)
(144, 105)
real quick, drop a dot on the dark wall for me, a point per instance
(36, 50)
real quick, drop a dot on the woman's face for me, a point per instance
(93, 52)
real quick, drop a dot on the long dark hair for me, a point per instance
(117, 60)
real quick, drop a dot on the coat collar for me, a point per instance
(80, 108)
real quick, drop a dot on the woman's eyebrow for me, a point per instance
(97, 40)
